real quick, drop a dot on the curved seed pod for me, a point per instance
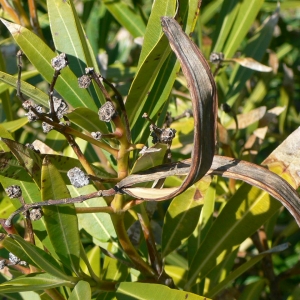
(224, 166)
(204, 101)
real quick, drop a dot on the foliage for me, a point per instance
(214, 240)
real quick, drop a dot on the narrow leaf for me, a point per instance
(285, 159)
(144, 291)
(40, 57)
(81, 291)
(33, 282)
(27, 158)
(27, 89)
(128, 18)
(180, 220)
(34, 255)
(251, 63)
(61, 221)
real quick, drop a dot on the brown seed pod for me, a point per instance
(107, 111)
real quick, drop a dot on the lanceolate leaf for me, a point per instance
(27, 89)
(81, 291)
(246, 211)
(35, 256)
(243, 21)
(153, 30)
(33, 282)
(128, 18)
(243, 268)
(98, 225)
(181, 219)
(144, 291)
(285, 159)
(40, 57)
(61, 221)
(69, 37)
(27, 158)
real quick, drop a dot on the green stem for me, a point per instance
(139, 263)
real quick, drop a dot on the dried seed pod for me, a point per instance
(35, 214)
(96, 135)
(60, 107)
(84, 81)
(2, 264)
(46, 127)
(27, 104)
(13, 191)
(59, 62)
(13, 259)
(30, 114)
(107, 111)
(89, 70)
(216, 57)
(31, 147)
(134, 233)
(78, 178)
(167, 135)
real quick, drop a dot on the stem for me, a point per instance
(54, 294)
(88, 210)
(139, 263)
(155, 258)
(34, 18)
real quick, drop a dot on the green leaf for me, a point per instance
(144, 78)
(246, 211)
(27, 89)
(180, 220)
(126, 16)
(243, 21)
(145, 291)
(40, 57)
(150, 159)
(70, 38)
(242, 269)
(61, 220)
(98, 225)
(255, 48)
(4, 134)
(87, 120)
(12, 126)
(35, 256)
(225, 22)
(33, 282)
(253, 290)
(81, 291)
(27, 158)
(154, 31)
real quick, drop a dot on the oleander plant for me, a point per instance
(149, 149)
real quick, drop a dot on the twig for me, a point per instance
(78, 199)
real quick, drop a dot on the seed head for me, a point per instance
(46, 127)
(96, 135)
(59, 62)
(78, 178)
(13, 191)
(84, 81)
(2, 264)
(216, 57)
(107, 111)
(35, 214)
(60, 107)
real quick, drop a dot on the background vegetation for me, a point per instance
(213, 238)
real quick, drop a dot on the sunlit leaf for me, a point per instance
(251, 63)
(40, 57)
(285, 159)
(34, 255)
(61, 220)
(33, 282)
(81, 291)
(144, 291)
